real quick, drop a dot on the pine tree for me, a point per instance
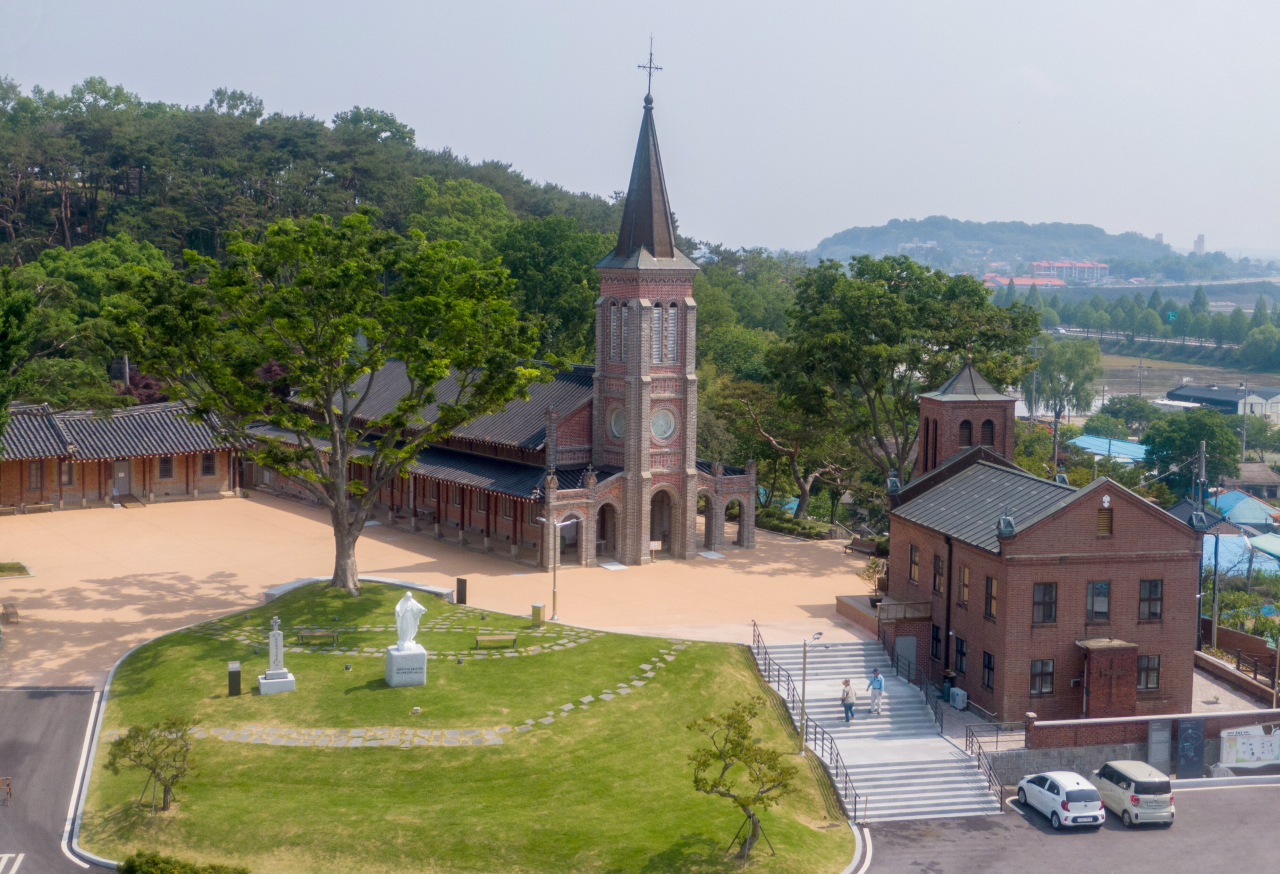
(1200, 302)
(1260, 316)
(1154, 302)
(1033, 298)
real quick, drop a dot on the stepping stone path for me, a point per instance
(408, 738)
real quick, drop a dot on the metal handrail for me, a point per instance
(975, 733)
(817, 738)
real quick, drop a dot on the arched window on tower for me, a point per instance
(988, 433)
(613, 330)
(966, 434)
(625, 309)
(673, 324)
(657, 333)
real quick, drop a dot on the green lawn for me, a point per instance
(12, 569)
(604, 789)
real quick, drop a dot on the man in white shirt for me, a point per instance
(877, 690)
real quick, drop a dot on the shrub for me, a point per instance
(154, 863)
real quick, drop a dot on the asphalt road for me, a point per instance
(41, 736)
(1216, 830)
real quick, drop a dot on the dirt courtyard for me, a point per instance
(107, 580)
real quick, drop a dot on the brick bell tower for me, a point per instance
(646, 391)
(965, 411)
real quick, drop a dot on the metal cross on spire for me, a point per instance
(649, 67)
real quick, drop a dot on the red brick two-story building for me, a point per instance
(1069, 602)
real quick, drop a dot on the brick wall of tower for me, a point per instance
(940, 422)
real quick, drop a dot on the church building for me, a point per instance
(599, 465)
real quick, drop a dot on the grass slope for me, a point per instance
(606, 789)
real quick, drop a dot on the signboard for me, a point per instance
(1250, 746)
(655, 544)
(1190, 748)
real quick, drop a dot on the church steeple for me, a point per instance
(647, 238)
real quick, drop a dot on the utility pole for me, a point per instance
(1244, 418)
(1035, 355)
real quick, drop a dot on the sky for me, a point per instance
(780, 123)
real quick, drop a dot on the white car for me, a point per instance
(1065, 797)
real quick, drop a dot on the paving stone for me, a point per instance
(451, 741)
(452, 732)
(606, 697)
(493, 741)
(339, 742)
(624, 691)
(296, 649)
(524, 728)
(258, 740)
(639, 682)
(586, 699)
(557, 647)
(467, 732)
(646, 667)
(306, 742)
(502, 728)
(358, 732)
(355, 742)
(566, 707)
(421, 741)
(669, 658)
(547, 720)
(528, 722)
(291, 742)
(199, 735)
(275, 741)
(650, 674)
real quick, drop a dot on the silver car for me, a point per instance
(1136, 791)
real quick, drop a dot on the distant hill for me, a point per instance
(960, 243)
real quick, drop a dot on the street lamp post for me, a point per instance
(804, 679)
(555, 563)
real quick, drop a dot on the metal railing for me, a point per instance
(991, 733)
(1255, 667)
(904, 611)
(817, 738)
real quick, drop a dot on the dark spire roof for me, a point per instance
(647, 239)
(967, 385)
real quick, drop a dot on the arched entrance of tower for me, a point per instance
(661, 520)
(571, 550)
(607, 533)
(733, 521)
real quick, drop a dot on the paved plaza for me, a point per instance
(106, 580)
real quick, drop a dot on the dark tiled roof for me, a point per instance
(708, 467)
(521, 423)
(967, 385)
(1183, 509)
(141, 431)
(968, 505)
(1252, 473)
(32, 432)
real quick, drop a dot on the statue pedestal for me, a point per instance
(273, 682)
(407, 667)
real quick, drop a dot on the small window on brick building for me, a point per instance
(991, 597)
(482, 502)
(935, 643)
(1104, 521)
(673, 323)
(66, 472)
(1098, 602)
(962, 595)
(1044, 602)
(988, 670)
(35, 475)
(966, 434)
(508, 508)
(1148, 672)
(962, 655)
(1042, 676)
(1151, 599)
(913, 571)
(939, 579)
(433, 491)
(455, 496)
(613, 330)
(988, 433)
(208, 464)
(164, 467)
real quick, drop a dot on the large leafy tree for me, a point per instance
(325, 306)
(863, 344)
(1175, 440)
(16, 306)
(1065, 379)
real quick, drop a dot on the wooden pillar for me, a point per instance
(84, 494)
(188, 471)
(60, 463)
(488, 518)
(515, 527)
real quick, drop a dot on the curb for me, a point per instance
(1224, 782)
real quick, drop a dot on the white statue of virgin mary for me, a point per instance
(408, 612)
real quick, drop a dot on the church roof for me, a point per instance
(521, 423)
(967, 385)
(647, 239)
(141, 431)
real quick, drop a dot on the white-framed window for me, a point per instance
(208, 464)
(613, 330)
(657, 333)
(625, 309)
(673, 323)
(164, 467)
(66, 473)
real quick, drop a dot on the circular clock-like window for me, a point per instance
(618, 422)
(663, 424)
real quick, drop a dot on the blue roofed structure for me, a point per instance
(1242, 509)
(1123, 451)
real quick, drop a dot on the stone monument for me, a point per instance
(407, 660)
(276, 679)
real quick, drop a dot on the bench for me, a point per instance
(9, 612)
(37, 508)
(509, 639)
(304, 636)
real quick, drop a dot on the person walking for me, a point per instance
(848, 698)
(877, 690)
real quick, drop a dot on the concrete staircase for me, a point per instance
(899, 763)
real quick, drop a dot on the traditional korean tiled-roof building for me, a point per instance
(149, 452)
(604, 454)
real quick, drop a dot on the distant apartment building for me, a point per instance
(1080, 271)
(1160, 239)
(1200, 245)
(994, 281)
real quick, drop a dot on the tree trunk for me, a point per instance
(168, 797)
(345, 535)
(752, 836)
(1056, 417)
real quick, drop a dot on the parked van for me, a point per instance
(1136, 791)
